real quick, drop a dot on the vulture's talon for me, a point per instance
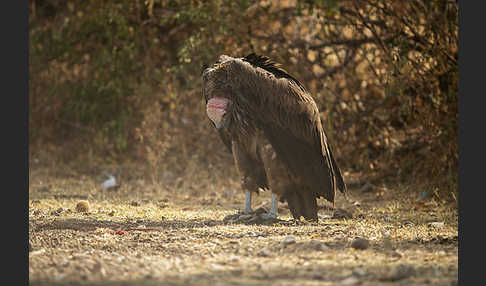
(268, 216)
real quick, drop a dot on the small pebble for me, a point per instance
(54, 213)
(264, 252)
(289, 240)
(360, 243)
(134, 204)
(120, 232)
(324, 216)
(230, 217)
(210, 222)
(359, 272)
(163, 205)
(341, 213)
(386, 218)
(317, 245)
(82, 207)
(436, 224)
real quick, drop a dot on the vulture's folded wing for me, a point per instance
(290, 119)
(225, 137)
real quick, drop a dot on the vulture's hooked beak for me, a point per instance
(218, 110)
(226, 117)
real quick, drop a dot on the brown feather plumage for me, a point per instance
(275, 131)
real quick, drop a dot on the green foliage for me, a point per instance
(83, 58)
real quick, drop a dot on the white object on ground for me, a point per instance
(110, 183)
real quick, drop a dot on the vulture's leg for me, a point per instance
(247, 202)
(309, 206)
(273, 212)
(274, 206)
(250, 169)
(295, 204)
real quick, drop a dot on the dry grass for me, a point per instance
(141, 234)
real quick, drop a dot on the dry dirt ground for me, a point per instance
(141, 234)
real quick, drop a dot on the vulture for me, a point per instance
(271, 125)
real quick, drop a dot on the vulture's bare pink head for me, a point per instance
(218, 110)
(218, 90)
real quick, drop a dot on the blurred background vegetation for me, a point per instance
(117, 83)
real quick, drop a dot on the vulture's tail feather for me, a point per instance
(337, 178)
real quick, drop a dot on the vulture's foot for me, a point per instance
(269, 215)
(258, 216)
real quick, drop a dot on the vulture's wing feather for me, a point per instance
(249, 165)
(226, 138)
(267, 64)
(335, 169)
(302, 152)
(289, 117)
